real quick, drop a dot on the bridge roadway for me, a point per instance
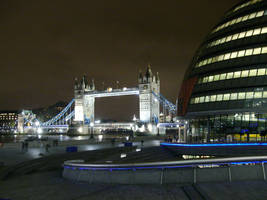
(114, 92)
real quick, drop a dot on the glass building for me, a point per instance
(224, 93)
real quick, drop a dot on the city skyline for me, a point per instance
(44, 47)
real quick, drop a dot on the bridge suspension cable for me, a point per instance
(60, 115)
(170, 106)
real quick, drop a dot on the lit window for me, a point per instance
(257, 51)
(205, 80)
(235, 36)
(249, 95)
(264, 30)
(253, 15)
(249, 33)
(242, 35)
(245, 73)
(226, 97)
(259, 14)
(219, 97)
(234, 96)
(237, 74)
(227, 56)
(213, 98)
(207, 99)
(223, 77)
(257, 31)
(197, 100)
(221, 57)
(258, 95)
(241, 95)
(264, 94)
(201, 99)
(233, 55)
(253, 72)
(228, 38)
(223, 40)
(249, 52)
(245, 18)
(261, 72)
(217, 77)
(241, 53)
(264, 50)
(230, 75)
(211, 78)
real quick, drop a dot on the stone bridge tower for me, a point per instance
(84, 104)
(149, 106)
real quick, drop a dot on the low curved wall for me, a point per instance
(180, 172)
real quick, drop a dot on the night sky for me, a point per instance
(46, 44)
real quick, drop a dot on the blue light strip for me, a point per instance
(160, 167)
(212, 145)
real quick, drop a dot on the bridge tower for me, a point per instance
(84, 104)
(149, 106)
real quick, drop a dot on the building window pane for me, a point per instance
(216, 77)
(264, 50)
(223, 77)
(235, 36)
(264, 30)
(211, 78)
(233, 96)
(257, 51)
(249, 33)
(237, 74)
(258, 95)
(257, 31)
(249, 95)
(253, 72)
(245, 73)
(201, 99)
(234, 54)
(264, 94)
(207, 99)
(228, 38)
(227, 56)
(249, 52)
(226, 97)
(219, 97)
(241, 53)
(242, 35)
(205, 80)
(213, 98)
(241, 95)
(261, 72)
(230, 75)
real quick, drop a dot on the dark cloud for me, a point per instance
(45, 44)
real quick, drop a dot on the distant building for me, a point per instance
(8, 121)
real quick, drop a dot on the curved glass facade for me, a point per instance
(224, 93)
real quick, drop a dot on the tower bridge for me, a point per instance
(81, 109)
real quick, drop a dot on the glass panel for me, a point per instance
(264, 94)
(237, 74)
(253, 72)
(257, 31)
(241, 53)
(211, 78)
(213, 98)
(220, 57)
(249, 33)
(249, 95)
(219, 97)
(205, 80)
(249, 52)
(259, 14)
(245, 73)
(235, 36)
(242, 35)
(197, 100)
(264, 50)
(234, 55)
(229, 38)
(222, 76)
(226, 97)
(217, 77)
(257, 51)
(261, 72)
(233, 96)
(253, 15)
(241, 95)
(230, 75)
(201, 99)
(227, 56)
(264, 30)
(207, 99)
(192, 101)
(258, 95)
(245, 18)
